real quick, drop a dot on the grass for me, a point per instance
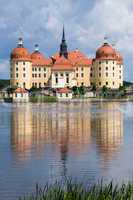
(75, 191)
(42, 99)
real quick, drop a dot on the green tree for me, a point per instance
(11, 89)
(94, 89)
(75, 90)
(104, 91)
(82, 90)
(122, 90)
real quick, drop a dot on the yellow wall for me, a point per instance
(106, 72)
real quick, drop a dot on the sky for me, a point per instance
(86, 23)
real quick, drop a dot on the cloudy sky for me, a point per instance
(86, 23)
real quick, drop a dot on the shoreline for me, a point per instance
(76, 100)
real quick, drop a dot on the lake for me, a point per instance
(47, 142)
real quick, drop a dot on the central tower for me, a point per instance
(63, 46)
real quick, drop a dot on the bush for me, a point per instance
(43, 99)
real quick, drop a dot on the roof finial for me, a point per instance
(36, 47)
(20, 42)
(106, 39)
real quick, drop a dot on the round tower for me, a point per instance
(107, 68)
(20, 66)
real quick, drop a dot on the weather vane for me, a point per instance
(106, 38)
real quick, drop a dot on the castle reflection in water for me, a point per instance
(66, 125)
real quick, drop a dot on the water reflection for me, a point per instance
(66, 125)
(107, 131)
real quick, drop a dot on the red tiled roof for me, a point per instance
(106, 52)
(39, 60)
(64, 90)
(62, 63)
(20, 53)
(76, 57)
(20, 90)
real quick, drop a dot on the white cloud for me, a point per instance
(86, 25)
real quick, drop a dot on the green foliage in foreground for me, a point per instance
(72, 191)
(42, 99)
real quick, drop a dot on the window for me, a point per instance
(35, 75)
(21, 95)
(24, 68)
(24, 75)
(39, 85)
(99, 83)
(120, 71)
(106, 62)
(39, 69)
(61, 75)
(99, 68)
(10, 69)
(16, 63)
(39, 75)
(66, 95)
(16, 68)
(82, 83)
(67, 80)
(44, 84)
(17, 83)
(77, 75)
(24, 84)
(44, 75)
(77, 68)
(113, 82)
(82, 69)
(99, 62)
(119, 77)
(106, 68)
(113, 74)
(113, 62)
(23, 63)
(32, 84)
(113, 68)
(56, 80)
(16, 95)
(99, 74)
(32, 75)
(106, 83)
(106, 74)
(16, 75)
(91, 69)
(11, 75)
(56, 75)
(91, 74)
(67, 74)
(44, 69)
(35, 69)
(35, 84)
(82, 75)
(91, 83)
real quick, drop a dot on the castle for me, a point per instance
(65, 68)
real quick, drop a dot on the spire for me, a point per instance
(63, 35)
(63, 45)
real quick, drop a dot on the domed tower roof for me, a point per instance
(20, 53)
(106, 52)
(38, 59)
(119, 58)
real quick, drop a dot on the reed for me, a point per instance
(75, 191)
